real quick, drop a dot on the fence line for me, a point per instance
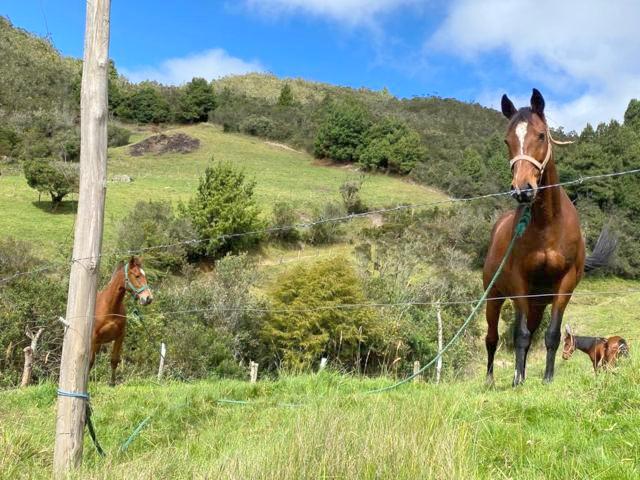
(341, 219)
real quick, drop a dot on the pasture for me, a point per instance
(327, 426)
(282, 175)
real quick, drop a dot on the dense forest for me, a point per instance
(454, 146)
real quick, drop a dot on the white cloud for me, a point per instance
(585, 46)
(209, 64)
(349, 12)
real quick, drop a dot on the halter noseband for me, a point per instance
(135, 292)
(547, 157)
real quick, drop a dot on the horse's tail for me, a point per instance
(602, 252)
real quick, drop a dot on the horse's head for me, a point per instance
(529, 143)
(135, 281)
(569, 344)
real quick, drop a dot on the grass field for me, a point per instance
(327, 426)
(281, 175)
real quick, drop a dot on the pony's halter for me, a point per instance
(547, 157)
(135, 291)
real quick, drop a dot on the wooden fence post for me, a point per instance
(76, 349)
(439, 361)
(29, 354)
(163, 352)
(416, 371)
(253, 372)
(323, 364)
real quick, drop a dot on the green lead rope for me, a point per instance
(521, 226)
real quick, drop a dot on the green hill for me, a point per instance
(281, 174)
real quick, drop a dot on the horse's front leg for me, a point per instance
(491, 340)
(552, 336)
(521, 341)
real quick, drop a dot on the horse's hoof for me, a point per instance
(489, 382)
(547, 380)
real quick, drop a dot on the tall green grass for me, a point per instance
(581, 426)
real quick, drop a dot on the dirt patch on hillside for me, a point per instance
(160, 144)
(282, 146)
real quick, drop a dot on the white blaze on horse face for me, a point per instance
(521, 133)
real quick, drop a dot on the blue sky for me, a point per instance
(582, 54)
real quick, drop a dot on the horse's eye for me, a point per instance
(541, 136)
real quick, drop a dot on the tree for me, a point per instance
(632, 114)
(342, 132)
(195, 102)
(222, 207)
(58, 179)
(391, 145)
(286, 96)
(144, 105)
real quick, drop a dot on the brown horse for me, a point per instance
(549, 259)
(603, 352)
(111, 313)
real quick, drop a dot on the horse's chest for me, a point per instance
(548, 262)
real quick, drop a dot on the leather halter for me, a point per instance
(547, 157)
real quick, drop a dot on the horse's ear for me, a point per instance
(508, 109)
(537, 103)
(132, 261)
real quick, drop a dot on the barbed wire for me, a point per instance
(302, 225)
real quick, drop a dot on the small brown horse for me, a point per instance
(111, 313)
(549, 259)
(603, 352)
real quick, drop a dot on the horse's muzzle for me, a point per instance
(146, 300)
(523, 196)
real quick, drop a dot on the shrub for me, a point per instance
(286, 96)
(297, 339)
(342, 132)
(9, 140)
(325, 232)
(58, 179)
(224, 206)
(350, 191)
(257, 125)
(117, 136)
(283, 218)
(150, 224)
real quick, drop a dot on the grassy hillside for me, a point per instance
(281, 175)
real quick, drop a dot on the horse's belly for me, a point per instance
(108, 332)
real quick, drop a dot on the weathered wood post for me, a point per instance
(253, 372)
(416, 371)
(74, 365)
(29, 354)
(163, 352)
(439, 361)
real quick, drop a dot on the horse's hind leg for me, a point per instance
(115, 357)
(491, 340)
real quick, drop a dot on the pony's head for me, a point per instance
(569, 344)
(529, 143)
(135, 281)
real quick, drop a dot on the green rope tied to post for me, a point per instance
(521, 226)
(88, 413)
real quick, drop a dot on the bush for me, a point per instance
(283, 218)
(350, 191)
(9, 140)
(325, 232)
(286, 96)
(117, 136)
(342, 132)
(257, 125)
(150, 224)
(224, 206)
(58, 179)
(297, 339)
